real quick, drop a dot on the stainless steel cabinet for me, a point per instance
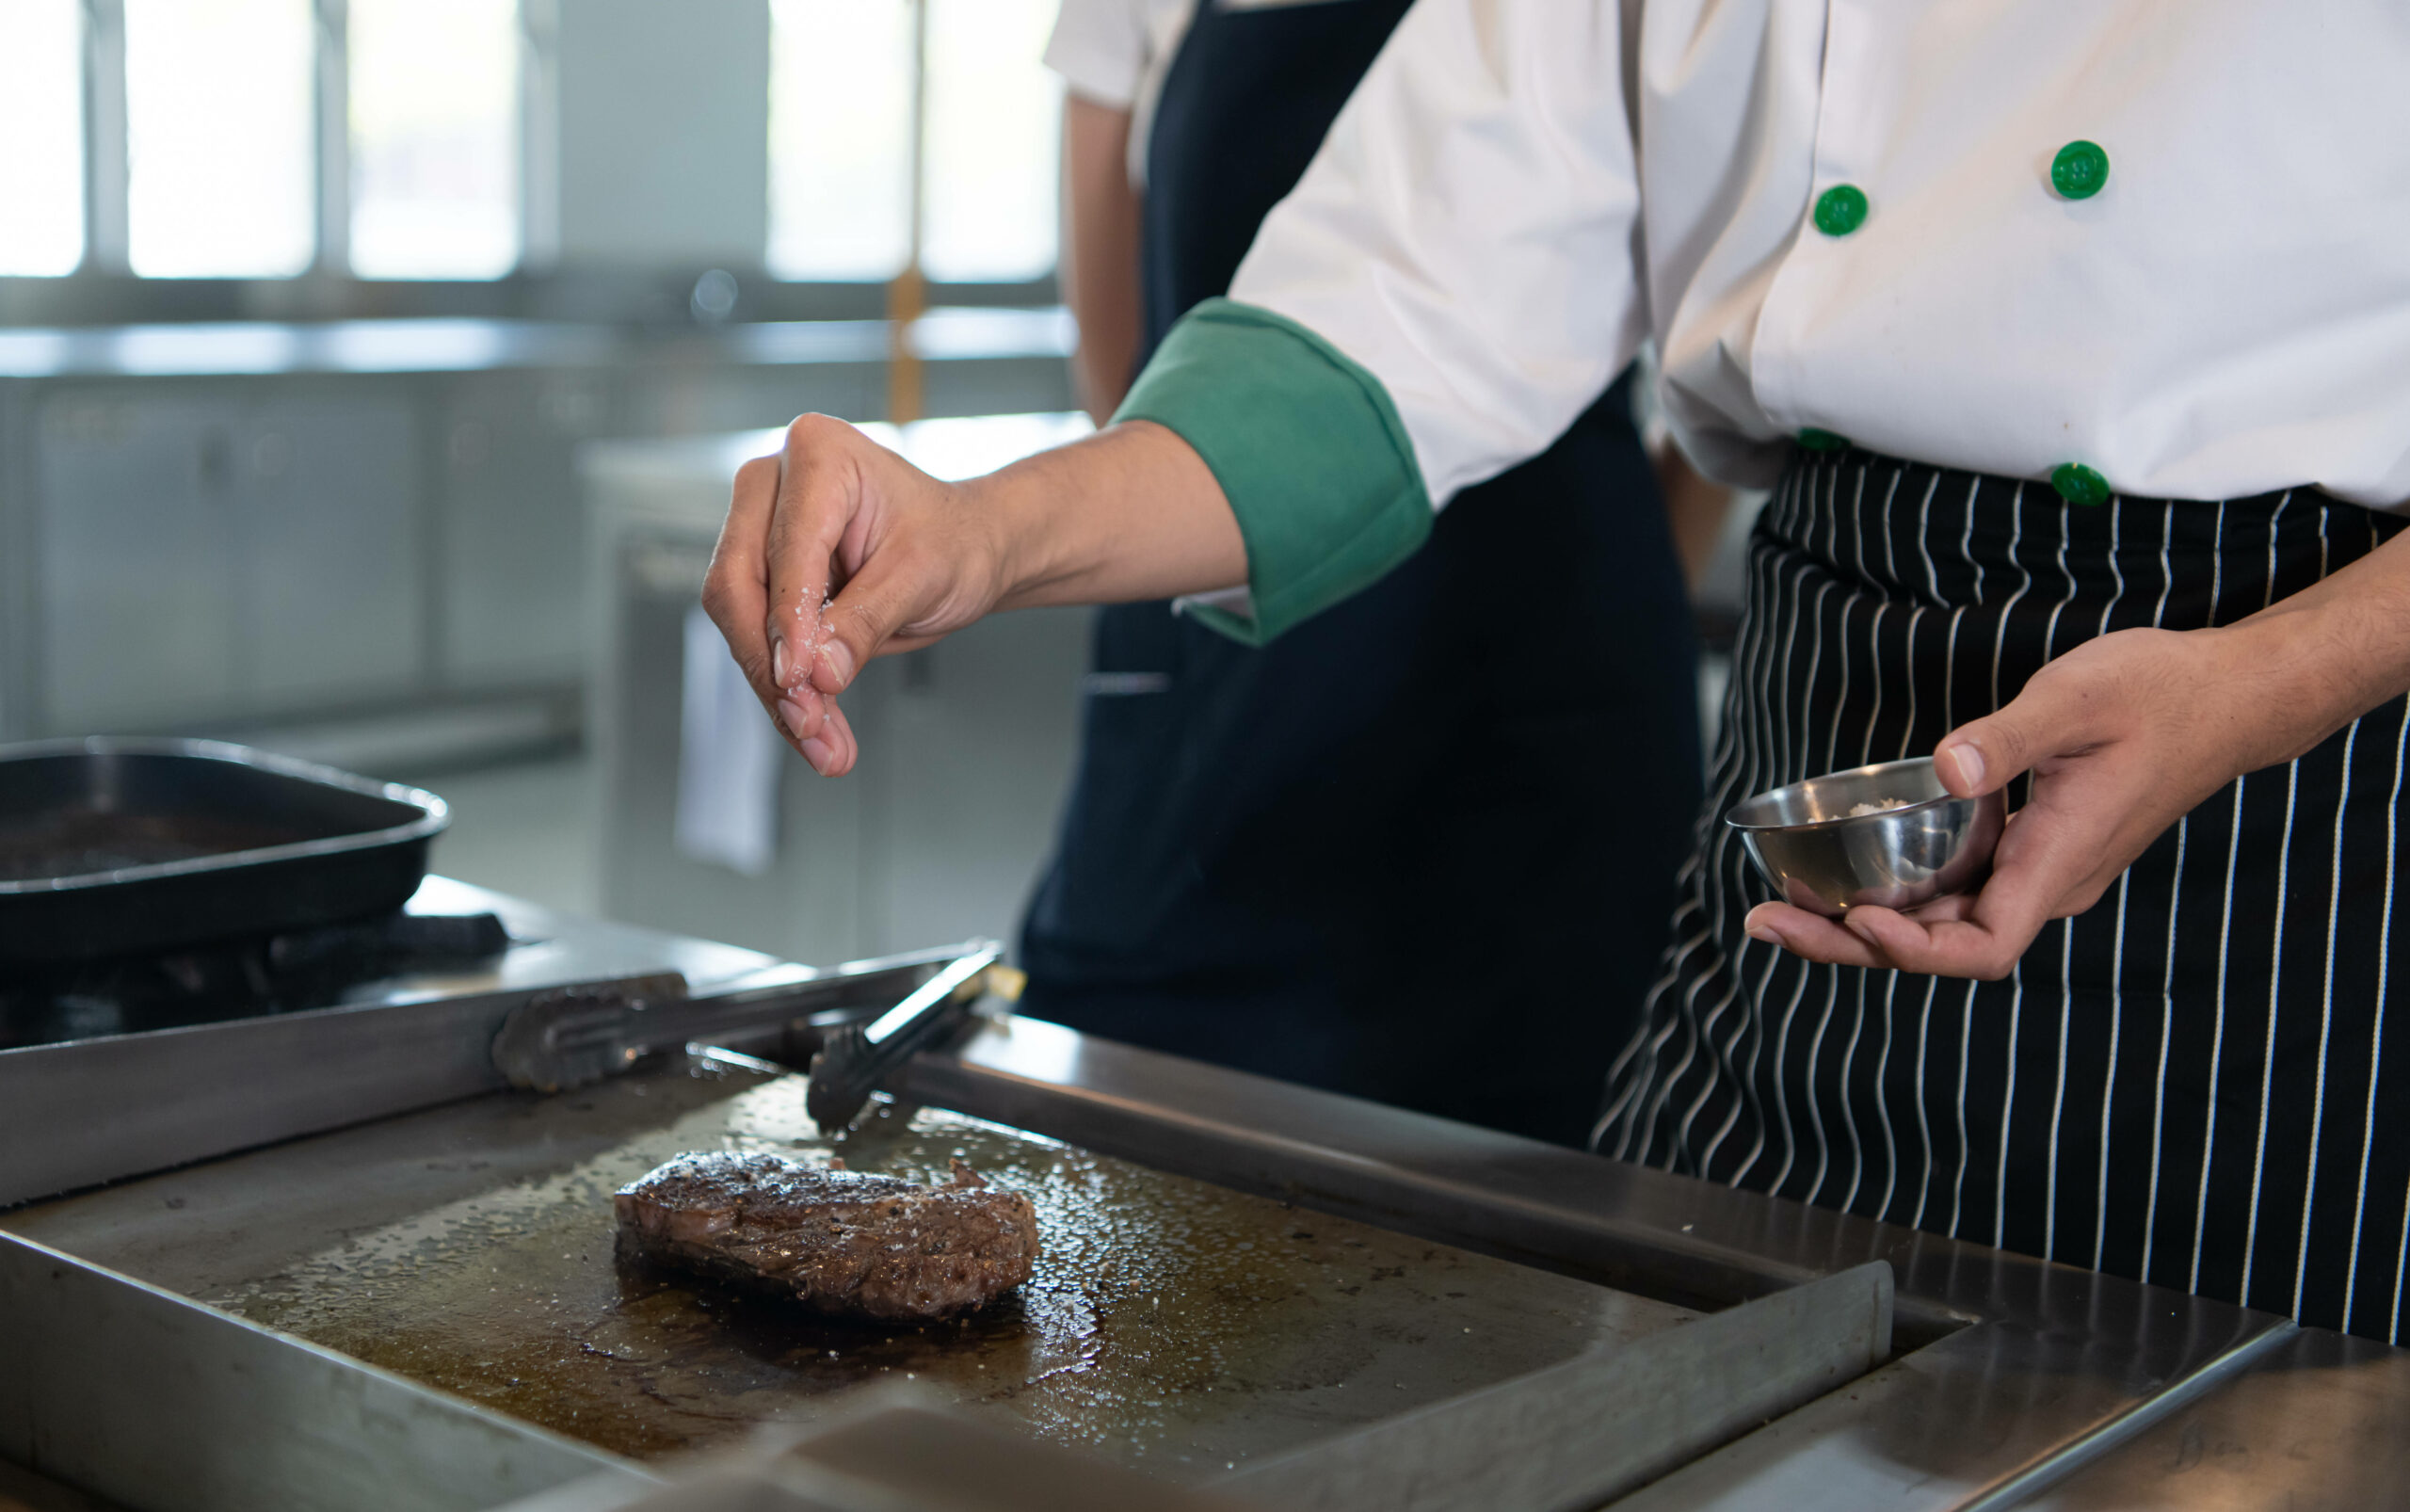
(138, 558)
(512, 545)
(208, 553)
(332, 605)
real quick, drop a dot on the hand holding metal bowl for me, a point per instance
(1890, 835)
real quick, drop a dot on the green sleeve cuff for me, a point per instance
(1307, 448)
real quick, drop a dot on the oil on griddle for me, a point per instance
(1170, 1323)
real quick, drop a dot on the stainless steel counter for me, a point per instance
(2012, 1381)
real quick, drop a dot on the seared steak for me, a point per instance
(842, 1241)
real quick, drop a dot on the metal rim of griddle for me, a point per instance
(434, 813)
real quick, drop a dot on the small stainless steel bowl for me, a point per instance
(1825, 859)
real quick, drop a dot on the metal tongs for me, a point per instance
(576, 1036)
(854, 1058)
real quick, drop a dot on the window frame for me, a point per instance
(104, 290)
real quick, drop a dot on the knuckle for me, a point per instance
(806, 431)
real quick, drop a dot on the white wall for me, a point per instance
(665, 132)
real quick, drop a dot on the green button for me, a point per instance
(2079, 484)
(2079, 169)
(1841, 210)
(1822, 441)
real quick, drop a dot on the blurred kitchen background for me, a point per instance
(371, 377)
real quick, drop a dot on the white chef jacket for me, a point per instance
(1522, 189)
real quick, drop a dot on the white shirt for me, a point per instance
(1522, 189)
(1115, 52)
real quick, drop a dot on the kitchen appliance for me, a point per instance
(115, 847)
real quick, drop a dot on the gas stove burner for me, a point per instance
(275, 974)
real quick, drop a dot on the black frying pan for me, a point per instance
(129, 846)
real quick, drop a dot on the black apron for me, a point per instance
(2191, 1083)
(1397, 853)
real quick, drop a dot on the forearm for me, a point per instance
(1100, 261)
(1130, 513)
(2309, 665)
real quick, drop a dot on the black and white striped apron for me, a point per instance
(2191, 1083)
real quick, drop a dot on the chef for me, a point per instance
(1256, 857)
(2075, 343)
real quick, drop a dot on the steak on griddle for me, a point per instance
(842, 1241)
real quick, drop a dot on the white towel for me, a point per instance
(728, 760)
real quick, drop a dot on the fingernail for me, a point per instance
(1763, 936)
(839, 658)
(1970, 763)
(793, 713)
(820, 754)
(778, 663)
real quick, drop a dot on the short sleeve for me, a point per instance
(1099, 47)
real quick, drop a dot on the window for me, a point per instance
(41, 137)
(840, 139)
(434, 100)
(842, 77)
(220, 107)
(994, 117)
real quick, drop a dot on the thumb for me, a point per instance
(2049, 716)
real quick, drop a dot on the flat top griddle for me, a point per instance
(1172, 1325)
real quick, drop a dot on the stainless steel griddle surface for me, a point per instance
(1171, 1325)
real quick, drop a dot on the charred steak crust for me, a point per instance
(846, 1243)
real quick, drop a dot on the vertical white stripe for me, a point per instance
(1890, 555)
(1908, 676)
(2174, 902)
(1815, 1105)
(1849, 1114)
(1949, 649)
(2066, 933)
(2377, 1042)
(2007, 1109)
(2275, 1000)
(1781, 1089)
(1840, 638)
(2166, 1034)
(1999, 626)
(2217, 1039)
(2325, 1021)
(1883, 1104)
(1933, 581)
(2117, 941)
(1925, 1129)
(2017, 976)
(2059, 1091)
(2109, 1078)
(1966, 1145)
(2226, 928)
(2217, 567)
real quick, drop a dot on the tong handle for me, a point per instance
(856, 1058)
(571, 1036)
